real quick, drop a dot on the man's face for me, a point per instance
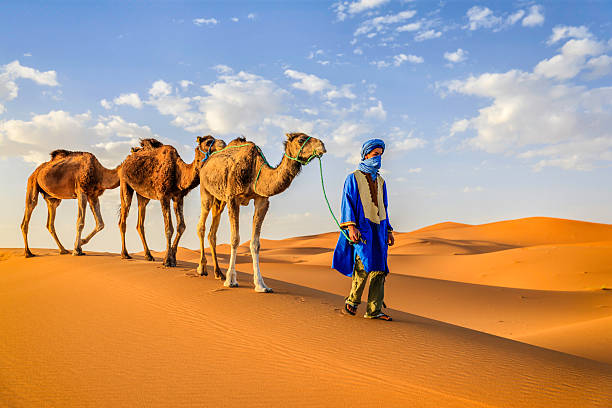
(376, 152)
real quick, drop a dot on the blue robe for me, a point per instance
(372, 221)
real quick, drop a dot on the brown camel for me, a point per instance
(237, 175)
(68, 175)
(156, 172)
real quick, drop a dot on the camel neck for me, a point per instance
(275, 180)
(110, 178)
(187, 175)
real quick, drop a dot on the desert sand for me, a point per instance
(507, 314)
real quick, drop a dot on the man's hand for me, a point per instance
(354, 233)
(390, 238)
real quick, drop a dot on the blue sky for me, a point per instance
(491, 110)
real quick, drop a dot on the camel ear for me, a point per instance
(288, 135)
(199, 139)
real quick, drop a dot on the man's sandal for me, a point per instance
(382, 316)
(349, 309)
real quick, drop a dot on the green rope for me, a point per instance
(328, 205)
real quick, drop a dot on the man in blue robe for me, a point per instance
(364, 215)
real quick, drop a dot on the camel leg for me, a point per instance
(30, 204)
(82, 204)
(206, 201)
(169, 229)
(94, 204)
(233, 210)
(142, 212)
(180, 226)
(261, 208)
(52, 204)
(217, 209)
(126, 201)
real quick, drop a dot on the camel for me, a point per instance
(156, 172)
(68, 175)
(237, 175)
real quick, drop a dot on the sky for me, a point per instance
(490, 110)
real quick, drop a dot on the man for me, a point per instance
(364, 215)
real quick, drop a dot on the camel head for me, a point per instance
(206, 145)
(303, 147)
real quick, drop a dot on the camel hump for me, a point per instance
(240, 139)
(151, 143)
(59, 153)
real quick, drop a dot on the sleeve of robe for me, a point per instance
(350, 193)
(389, 227)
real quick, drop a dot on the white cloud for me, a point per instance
(472, 189)
(251, 16)
(185, 83)
(345, 8)
(427, 35)
(108, 138)
(398, 60)
(515, 17)
(106, 104)
(380, 23)
(14, 71)
(599, 66)
(363, 5)
(562, 32)
(27, 54)
(223, 69)
(409, 27)
(313, 84)
(457, 56)
(415, 170)
(571, 60)
(160, 89)
(481, 17)
(235, 19)
(358, 51)
(534, 18)
(541, 116)
(308, 82)
(205, 21)
(377, 112)
(131, 99)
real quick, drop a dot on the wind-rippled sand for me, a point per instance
(101, 331)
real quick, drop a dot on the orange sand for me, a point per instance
(101, 331)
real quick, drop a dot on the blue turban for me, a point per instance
(371, 145)
(372, 164)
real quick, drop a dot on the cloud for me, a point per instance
(377, 112)
(515, 17)
(476, 189)
(539, 115)
(313, 84)
(415, 170)
(185, 83)
(131, 99)
(398, 60)
(205, 21)
(14, 71)
(235, 19)
(481, 17)
(571, 60)
(106, 104)
(308, 82)
(380, 23)
(534, 18)
(109, 138)
(457, 56)
(427, 35)
(251, 16)
(223, 69)
(562, 32)
(345, 8)
(358, 51)
(409, 27)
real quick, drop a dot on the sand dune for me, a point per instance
(101, 331)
